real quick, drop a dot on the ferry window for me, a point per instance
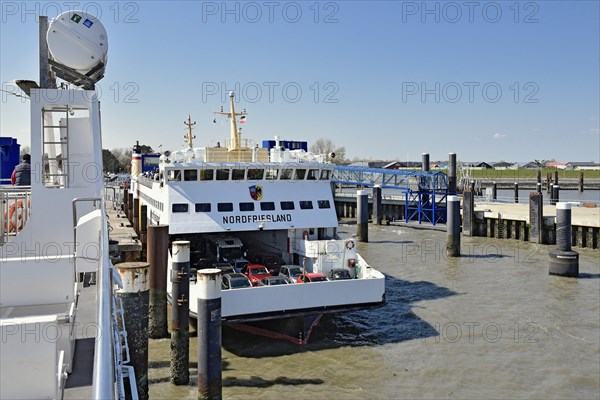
(237, 174)
(207, 174)
(306, 204)
(323, 204)
(190, 175)
(325, 174)
(255, 174)
(267, 206)
(246, 206)
(225, 207)
(271, 173)
(179, 208)
(203, 207)
(174, 175)
(287, 205)
(286, 173)
(300, 173)
(313, 174)
(222, 174)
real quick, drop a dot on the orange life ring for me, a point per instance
(10, 223)
(349, 244)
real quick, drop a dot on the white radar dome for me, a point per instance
(77, 40)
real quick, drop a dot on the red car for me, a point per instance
(255, 272)
(311, 277)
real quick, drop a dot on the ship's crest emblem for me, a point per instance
(256, 192)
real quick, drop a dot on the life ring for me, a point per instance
(305, 235)
(349, 244)
(10, 223)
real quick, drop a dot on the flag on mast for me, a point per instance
(243, 119)
(214, 120)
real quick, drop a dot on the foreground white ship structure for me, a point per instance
(277, 202)
(55, 231)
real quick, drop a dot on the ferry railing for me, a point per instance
(108, 369)
(15, 210)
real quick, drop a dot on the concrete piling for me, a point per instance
(453, 226)
(158, 245)
(377, 208)
(425, 162)
(135, 296)
(468, 213)
(209, 334)
(180, 309)
(555, 194)
(536, 217)
(362, 217)
(516, 192)
(451, 173)
(563, 261)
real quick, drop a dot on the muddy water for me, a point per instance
(491, 324)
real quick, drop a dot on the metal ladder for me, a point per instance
(64, 147)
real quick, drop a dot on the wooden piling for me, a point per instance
(180, 319)
(158, 247)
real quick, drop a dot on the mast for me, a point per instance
(189, 136)
(235, 134)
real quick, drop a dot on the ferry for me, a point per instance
(240, 203)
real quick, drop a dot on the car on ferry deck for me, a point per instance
(235, 281)
(273, 280)
(338, 274)
(309, 277)
(255, 272)
(290, 272)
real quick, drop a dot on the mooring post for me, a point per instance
(209, 334)
(136, 216)
(551, 193)
(581, 181)
(362, 216)
(556, 193)
(158, 247)
(451, 173)
(180, 319)
(563, 261)
(134, 296)
(144, 231)
(377, 209)
(425, 162)
(516, 192)
(494, 191)
(472, 187)
(556, 177)
(453, 226)
(130, 208)
(536, 217)
(468, 213)
(538, 187)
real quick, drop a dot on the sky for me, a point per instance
(388, 80)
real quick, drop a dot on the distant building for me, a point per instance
(557, 165)
(505, 165)
(531, 165)
(478, 165)
(413, 165)
(582, 165)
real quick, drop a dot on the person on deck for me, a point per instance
(21, 176)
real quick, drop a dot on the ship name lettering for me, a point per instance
(255, 218)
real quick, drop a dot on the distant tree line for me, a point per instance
(119, 160)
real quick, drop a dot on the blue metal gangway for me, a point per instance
(425, 192)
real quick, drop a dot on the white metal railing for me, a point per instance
(15, 210)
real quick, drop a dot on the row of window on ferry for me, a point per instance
(248, 206)
(250, 174)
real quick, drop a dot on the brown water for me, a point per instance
(491, 324)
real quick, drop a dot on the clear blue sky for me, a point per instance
(386, 79)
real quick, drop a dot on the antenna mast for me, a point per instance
(235, 134)
(189, 136)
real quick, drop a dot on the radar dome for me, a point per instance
(78, 41)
